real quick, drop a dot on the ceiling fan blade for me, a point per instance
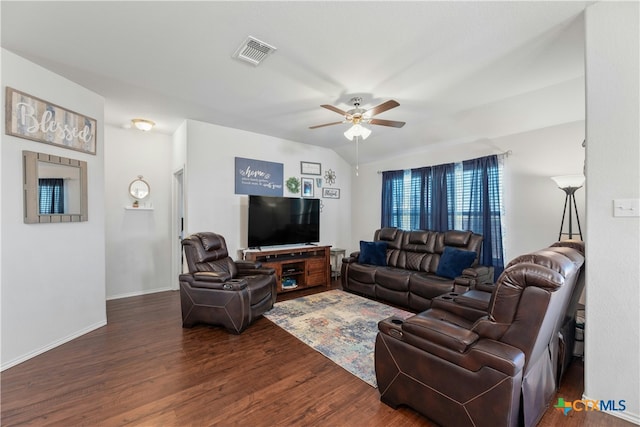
(326, 124)
(391, 123)
(335, 109)
(382, 108)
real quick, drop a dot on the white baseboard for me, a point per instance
(52, 345)
(138, 293)
(625, 415)
(632, 418)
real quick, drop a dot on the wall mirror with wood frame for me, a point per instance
(55, 188)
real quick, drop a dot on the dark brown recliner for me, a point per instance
(474, 303)
(498, 370)
(220, 291)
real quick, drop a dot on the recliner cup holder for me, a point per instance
(397, 321)
(446, 297)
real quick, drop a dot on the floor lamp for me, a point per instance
(569, 184)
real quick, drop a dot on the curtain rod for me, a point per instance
(504, 154)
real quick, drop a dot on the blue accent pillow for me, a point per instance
(453, 261)
(373, 253)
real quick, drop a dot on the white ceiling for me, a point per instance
(461, 71)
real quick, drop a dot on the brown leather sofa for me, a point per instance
(495, 370)
(408, 278)
(220, 291)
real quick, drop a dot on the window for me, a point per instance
(51, 195)
(463, 196)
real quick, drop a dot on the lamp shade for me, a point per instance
(357, 130)
(569, 181)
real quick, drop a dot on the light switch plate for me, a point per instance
(626, 207)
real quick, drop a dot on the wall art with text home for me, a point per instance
(258, 177)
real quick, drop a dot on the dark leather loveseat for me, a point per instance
(408, 276)
(499, 369)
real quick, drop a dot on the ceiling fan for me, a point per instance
(358, 116)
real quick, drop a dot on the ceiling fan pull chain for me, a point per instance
(357, 152)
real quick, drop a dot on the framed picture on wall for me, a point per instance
(331, 193)
(33, 118)
(310, 168)
(307, 187)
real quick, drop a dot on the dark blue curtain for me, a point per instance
(420, 196)
(439, 197)
(423, 201)
(442, 197)
(392, 209)
(51, 195)
(482, 207)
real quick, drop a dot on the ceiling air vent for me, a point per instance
(253, 51)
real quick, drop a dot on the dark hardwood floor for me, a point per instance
(144, 369)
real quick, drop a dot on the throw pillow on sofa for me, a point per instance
(453, 261)
(373, 253)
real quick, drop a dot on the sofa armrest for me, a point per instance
(503, 357)
(485, 287)
(353, 257)
(211, 276)
(472, 277)
(440, 332)
(213, 280)
(479, 354)
(486, 327)
(474, 298)
(247, 265)
(452, 303)
(481, 273)
(252, 268)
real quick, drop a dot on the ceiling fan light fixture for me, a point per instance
(357, 130)
(143, 124)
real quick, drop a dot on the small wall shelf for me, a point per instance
(131, 208)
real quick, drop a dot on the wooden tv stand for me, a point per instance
(306, 266)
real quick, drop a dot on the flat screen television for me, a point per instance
(283, 221)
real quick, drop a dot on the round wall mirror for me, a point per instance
(139, 188)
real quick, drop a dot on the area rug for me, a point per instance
(340, 325)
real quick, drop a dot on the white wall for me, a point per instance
(53, 275)
(211, 202)
(533, 204)
(612, 343)
(138, 242)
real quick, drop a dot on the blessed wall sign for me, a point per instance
(39, 120)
